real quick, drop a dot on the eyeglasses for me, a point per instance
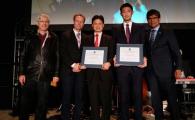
(43, 21)
(152, 18)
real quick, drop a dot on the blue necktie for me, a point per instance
(152, 36)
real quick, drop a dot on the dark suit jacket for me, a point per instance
(164, 55)
(130, 74)
(137, 36)
(106, 41)
(69, 51)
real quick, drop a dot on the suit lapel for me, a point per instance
(148, 35)
(124, 39)
(91, 41)
(158, 36)
(74, 40)
(133, 30)
(102, 41)
(132, 33)
(83, 39)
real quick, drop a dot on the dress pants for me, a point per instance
(34, 93)
(72, 88)
(100, 96)
(163, 87)
(125, 76)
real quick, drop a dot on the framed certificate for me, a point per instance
(129, 54)
(94, 57)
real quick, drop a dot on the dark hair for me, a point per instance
(100, 17)
(126, 5)
(153, 12)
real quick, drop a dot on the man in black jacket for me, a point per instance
(39, 65)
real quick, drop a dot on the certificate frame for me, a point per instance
(85, 55)
(134, 49)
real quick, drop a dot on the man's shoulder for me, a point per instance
(166, 31)
(117, 26)
(67, 32)
(53, 34)
(107, 36)
(83, 34)
(138, 25)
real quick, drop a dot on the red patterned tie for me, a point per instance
(96, 40)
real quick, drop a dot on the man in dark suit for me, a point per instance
(129, 74)
(100, 79)
(72, 77)
(164, 60)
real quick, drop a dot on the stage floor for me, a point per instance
(6, 115)
(54, 114)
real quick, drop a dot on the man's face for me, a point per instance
(78, 23)
(43, 24)
(153, 21)
(126, 13)
(97, 25)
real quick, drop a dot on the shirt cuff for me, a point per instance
(72, 66)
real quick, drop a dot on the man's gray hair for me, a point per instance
(43, 15)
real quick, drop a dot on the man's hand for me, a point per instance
(54, 81)
(83, 67)
(144, 64)
(106, 66)
(178, 73)
(190, 77)
(115, 64)
(22, 79)
(76, 67)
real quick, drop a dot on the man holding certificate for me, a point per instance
(129, 34)
(100, 79)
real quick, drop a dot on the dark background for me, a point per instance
(19, 21)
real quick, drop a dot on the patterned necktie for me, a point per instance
(79, 39)
(96, 40)
(152, 36)
(128, 34)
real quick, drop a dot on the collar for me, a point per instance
(156, 28)
(130, 24)
(75, 31)
(99, 33)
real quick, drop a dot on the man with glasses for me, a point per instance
(38, 67)
(164, 59)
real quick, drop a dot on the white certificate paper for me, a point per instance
(129, 54)
(94, 57)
